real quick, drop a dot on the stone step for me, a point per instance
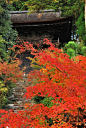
(16, 100)
(16, 91)
(11, 106)
(13, 99)
(14, 107)
(18, 94)
(24, 99)
(17, 88)
(10, 97)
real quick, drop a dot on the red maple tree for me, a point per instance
(59, 77)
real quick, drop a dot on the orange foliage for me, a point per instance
(11, 72)
(60, 78)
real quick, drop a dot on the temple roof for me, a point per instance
(24, 17)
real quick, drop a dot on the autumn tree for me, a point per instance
(60, 84)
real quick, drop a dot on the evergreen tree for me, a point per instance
(80, 23)
(6, 30)
(3, 54)
(76, 9)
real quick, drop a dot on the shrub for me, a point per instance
(44, 100)
(83, 51)
(3, 92)
(71, 48)
(71, 52)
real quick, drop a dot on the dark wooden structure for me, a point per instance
(35, 27)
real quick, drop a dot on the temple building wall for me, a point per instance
(34, 28)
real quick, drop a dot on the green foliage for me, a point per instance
(47, 101)
(71, 44)
(44, 100)
(76, 9)
(71, 52)
(1, 9)
(19, 5)
(83, 51)
(37, 5)
(10, 1)
(6, 30)
(10, 87)
(9, 75)
(71, 48)
(5, 91)
(3, 54)
(68, 7)
(8, 72)
(38, 99)
(81, 24)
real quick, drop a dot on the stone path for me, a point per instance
(16, 99)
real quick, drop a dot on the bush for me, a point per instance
(3, 92)
(71, 48)
(71, 52)
(44, 100)
(83, 51)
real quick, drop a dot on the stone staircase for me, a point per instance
(16, 100)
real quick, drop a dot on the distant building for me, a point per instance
(35, 27)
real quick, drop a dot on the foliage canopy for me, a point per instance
(60, 81)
